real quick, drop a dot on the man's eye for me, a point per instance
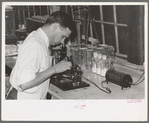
(65, 37)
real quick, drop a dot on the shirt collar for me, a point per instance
(44, 36)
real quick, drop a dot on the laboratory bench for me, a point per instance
(93, 92)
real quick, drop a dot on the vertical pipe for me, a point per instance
(116, 29)
(50, 7)
(39, 10)
(34, 10)
(47, 10)
(79, 26)
(91, 29)
(72, 12)
(79, 13)
(23, 15)
(86, 26)
(28, 12)
(66, 9)
(78, 37)
(19, 17)
(102, 25)
(94, 26)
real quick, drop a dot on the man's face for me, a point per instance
(60, 35)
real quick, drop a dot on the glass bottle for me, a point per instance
(94, 61)
(109, 64)
(104, 65)
(89, 55)
(98, 64)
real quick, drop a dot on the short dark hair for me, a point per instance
(62, 18)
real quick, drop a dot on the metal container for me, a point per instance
(83, 57)
(89, 56)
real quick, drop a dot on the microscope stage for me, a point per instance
(69, 85)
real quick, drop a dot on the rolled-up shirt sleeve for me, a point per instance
(29, 64)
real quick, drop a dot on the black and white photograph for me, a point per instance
(74, 56)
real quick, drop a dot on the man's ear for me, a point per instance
(55, 26)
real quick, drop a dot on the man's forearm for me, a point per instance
(40, 78)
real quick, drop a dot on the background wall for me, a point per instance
(119, 26)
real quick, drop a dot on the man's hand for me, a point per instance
(62, 66)
(44, 75)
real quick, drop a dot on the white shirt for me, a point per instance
(33, 57)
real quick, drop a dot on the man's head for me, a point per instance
(59, 27)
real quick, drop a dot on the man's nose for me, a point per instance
(62, 41)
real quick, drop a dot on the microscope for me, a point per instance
(69, 79)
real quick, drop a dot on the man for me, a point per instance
(31, 73)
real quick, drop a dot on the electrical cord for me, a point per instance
(108, 90)
(140, 76)
(104, 86)
(139, 80)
